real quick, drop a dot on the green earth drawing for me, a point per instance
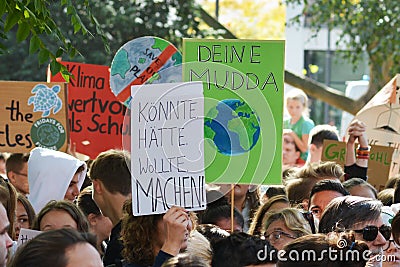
(232, 126)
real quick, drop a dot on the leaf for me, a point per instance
(43, 56)
(55, 67)
(66, 74)
(59, 52)
(23, 31)
(34, 44)
(12, 19)
(2, 7)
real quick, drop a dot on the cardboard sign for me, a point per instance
(32, 114)
(380, 159)
(243, 90)
(167, 147)
(25, 235)
(96, 116)
(382, 117)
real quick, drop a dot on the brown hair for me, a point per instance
(49, 248)
(28, 207)
(70, 208)
(15, 161)
(258, 219)
(8, 197)
(138, 236)
(112, 169)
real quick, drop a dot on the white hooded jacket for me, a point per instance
(49, 175)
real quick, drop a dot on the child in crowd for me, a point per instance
(299, 123)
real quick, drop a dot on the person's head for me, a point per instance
(53, 175)
(100, 225)
(186, 260)
(319, 250)
(297, 103)
(273, 190)
(5, 240)
(361, 188)
(241, 249)
(200, 246)
(220, 215)
(275, 203)
(3, 159)
(110, 175)
(322, 193)
(290, 151)
(144, 236)
(282, 227)
(8, 197)
(25, 215)
(386, 196)
(320, 171)
(298, 191)
(212, 232)
(17, 171)
(60, 214)
(73, 188)
(359, 214)
(58, 248)
(391, 182)
(316, 140)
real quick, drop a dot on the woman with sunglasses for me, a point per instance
(391, 251)
(284, 226)
(361, 215)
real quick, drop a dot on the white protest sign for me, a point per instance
(25, 235)
(167, 147)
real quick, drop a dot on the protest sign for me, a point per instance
(143, 60)
(382, 117)
(167, 147)
(25, 235)
(32, 114)
(379, 161)
(243, 90)
(96, 116)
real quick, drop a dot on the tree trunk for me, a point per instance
(311, 87)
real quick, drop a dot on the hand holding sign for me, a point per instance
(177, 227)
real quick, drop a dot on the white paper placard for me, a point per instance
(25, 235)
(167, 147)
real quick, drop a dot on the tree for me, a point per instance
(366, 25)
(48, 33)
(253, 24)
(358, 33)
(32, 20)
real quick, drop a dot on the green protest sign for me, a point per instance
(243, 107)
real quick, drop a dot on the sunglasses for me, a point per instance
(370, 232)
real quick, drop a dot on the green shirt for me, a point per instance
(302, 126)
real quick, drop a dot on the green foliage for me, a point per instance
(77, 31)
(34, 19)
(367, 25)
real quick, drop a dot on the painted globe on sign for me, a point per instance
(232, 126)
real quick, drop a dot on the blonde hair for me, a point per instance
(298, 95)
(200, 246)
(292, 218)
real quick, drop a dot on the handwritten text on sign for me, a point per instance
(167, 147)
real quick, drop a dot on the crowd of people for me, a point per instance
(321, 214)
